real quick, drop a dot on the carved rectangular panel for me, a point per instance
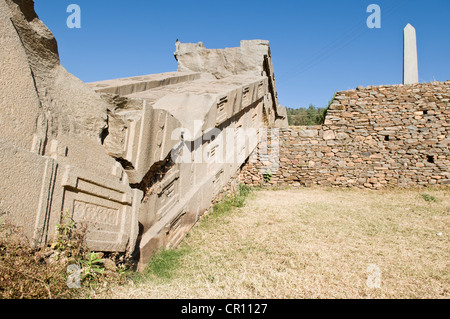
(175, 230)
(246, 96)
(27, 184)
(167, 194)
(108, 207)
(214, 155)
(104, 217)
(261, 89)
(221, 110)
(218, 182)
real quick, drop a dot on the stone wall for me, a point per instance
(372, 138)
(139, 160)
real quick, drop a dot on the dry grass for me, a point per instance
(313, 243)
(27, 273)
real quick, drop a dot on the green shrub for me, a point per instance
(267, 176)
(429, 198)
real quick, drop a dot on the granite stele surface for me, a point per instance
(138, 160)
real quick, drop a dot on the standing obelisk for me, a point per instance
(410, 62)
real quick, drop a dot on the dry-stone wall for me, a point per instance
(139, 160)
(372, 138)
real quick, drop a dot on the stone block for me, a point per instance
(308, 133)
(26, 183)
(145, 137)
(329, 135)
(17, 120)
(109, 208)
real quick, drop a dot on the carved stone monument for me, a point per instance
(182, 136)
(53, 161)
(138, 160)
(410, 61)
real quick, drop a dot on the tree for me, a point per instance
(305, 117)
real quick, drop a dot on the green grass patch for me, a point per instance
(165, 263)
(429, 198)
(227, 205)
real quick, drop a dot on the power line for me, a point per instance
(337, 45)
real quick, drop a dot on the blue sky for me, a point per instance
(318, 47)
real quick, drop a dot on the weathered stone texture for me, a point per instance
(53, 162)
(138, 160)
(179, 144)
(410, 61)
(372, 138)
(253, 57)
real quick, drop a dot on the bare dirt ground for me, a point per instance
(314, 243)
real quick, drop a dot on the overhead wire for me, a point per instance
(350, 36)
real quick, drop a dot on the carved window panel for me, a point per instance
(261, 89)
(214, 157)
(221, 110)
(176, 230)
(176, 224)
(240, 139)
(217, 183)
(170, 190)
(168, 194)
(213, 152)
(246, 96)
(255, 117)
